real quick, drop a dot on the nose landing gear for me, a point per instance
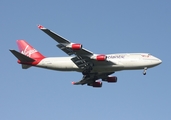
(144, 72)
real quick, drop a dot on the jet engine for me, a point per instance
(112, 79)
(100, 57)
(75, 46)
(96, 84)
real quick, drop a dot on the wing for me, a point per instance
(66, 45)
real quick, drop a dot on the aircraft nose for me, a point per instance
(156, 61)
(159, 61)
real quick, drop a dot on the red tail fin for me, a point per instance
(28, 50)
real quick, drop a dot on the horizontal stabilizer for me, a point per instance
(21, 57)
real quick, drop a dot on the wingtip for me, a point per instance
(73, 83)
(40, 27)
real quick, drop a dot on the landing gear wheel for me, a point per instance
(145, 69)
(144, 73)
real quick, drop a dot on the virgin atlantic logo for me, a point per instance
(28, 52)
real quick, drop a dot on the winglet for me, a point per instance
(41, 27)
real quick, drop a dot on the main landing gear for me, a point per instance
(144, 72)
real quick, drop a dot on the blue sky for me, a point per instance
(112, 26)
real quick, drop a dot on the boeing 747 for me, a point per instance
(92, 66)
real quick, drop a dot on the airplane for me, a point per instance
(92, 66)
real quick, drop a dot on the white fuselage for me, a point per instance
(114, 62)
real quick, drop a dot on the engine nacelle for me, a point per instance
(100, 57)
(96, 84)
(112, 79)
(75, 46)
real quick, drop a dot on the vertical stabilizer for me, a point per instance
(28, 56)
(28, 50)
